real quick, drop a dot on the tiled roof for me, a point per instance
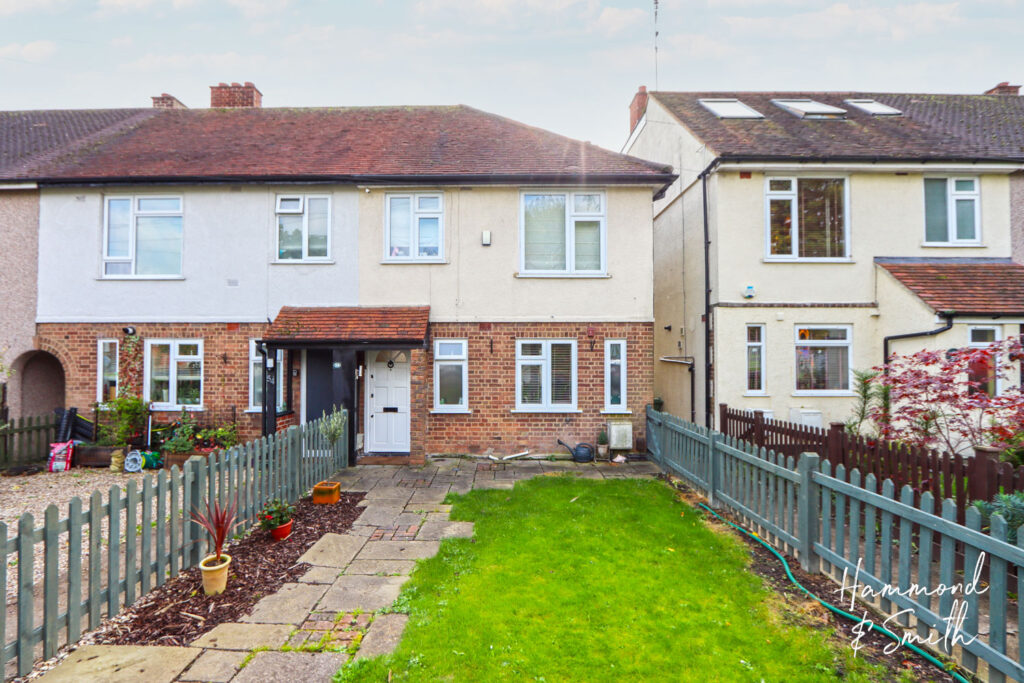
(932, 127)
(350, 324)
(355, 143)
(988, 286)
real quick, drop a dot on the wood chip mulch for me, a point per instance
(179, 612)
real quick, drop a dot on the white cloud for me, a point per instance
(31, 52)
(613, 20)
(895, 22)
(211, 63)
(124, 5)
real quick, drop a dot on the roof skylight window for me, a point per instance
(730, 108)
(810, 109)
(874, 107)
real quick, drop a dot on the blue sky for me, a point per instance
(570, 66)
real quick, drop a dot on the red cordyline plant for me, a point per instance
(217, 521)
(939, 399)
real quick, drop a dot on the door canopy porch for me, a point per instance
(339, 326)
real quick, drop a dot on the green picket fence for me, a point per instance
(119, 550)
(27, 439)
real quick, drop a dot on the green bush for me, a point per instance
(332, 426)
(128, 422)
(1009, 505)
(183, 439)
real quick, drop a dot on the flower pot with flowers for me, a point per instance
(217, 521)
(276, 517)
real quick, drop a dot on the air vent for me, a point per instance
(874, 107)
(729, 108)
(810, 109)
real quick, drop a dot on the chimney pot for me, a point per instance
(235, 95)
(167, 101)
(1004, 88)
(637, 107)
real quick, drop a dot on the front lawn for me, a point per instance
(574, 579)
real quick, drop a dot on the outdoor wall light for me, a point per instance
(128, 330)
(485, 238)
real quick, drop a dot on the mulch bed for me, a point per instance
(179, 612)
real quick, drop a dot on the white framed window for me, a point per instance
(563, 233)
(952, 211)
(414, 227)
(823, 359)
(106, 370)
(303, 227)
(755, 360)
(280, 368)
(982, 371)
(806, 219)
(546, 375)
(173, 374)
(451, 376)
(615, 376)
(142, 236)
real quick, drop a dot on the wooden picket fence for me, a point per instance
(26, 440)
(119, 549)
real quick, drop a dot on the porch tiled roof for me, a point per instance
(984, 286)
(393, 324)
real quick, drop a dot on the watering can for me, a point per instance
(583, 452)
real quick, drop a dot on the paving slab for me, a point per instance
(437, 517)
(236, 636)
(409, 518)
(420, 508)
(320, 575)
(398, 550)
(378, 515)
(388, 489)
(333, 550)
(123, 664)
(493, 483)
(289, 605)
(385, 567)
(432, 495)
(215, 666)
(290, 667)
(367, 593)
(435, 531)
(361, 530)
(383, 637)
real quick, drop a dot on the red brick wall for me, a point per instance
(225, 366)
(492, 390)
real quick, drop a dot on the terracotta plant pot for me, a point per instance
(282, 532)
(215, 576)
(327, 492)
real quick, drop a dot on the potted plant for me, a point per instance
(182, 443)
(127, 423)
(217, 521)
(658, 403)
(276, 517)
(602, 444)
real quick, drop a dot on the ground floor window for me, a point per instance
(451, 378)
(755, 359)
(823, 358)
(615, 376)
(281, 378)
(106, 370)
(546, 374)
(174, 373)
(983, 370)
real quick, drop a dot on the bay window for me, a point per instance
(451, 378)
(414, 227)
(174, 373)
(303, 227)
(807, 218)
(546, 375)
(563, 233)
(823, 359)
(142, 237)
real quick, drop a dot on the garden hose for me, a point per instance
(874, 627)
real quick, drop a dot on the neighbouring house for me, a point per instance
(459, 281)
(809, 233)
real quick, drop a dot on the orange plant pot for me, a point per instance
(327, 492)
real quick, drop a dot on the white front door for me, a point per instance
(387, 401)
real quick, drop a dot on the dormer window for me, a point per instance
(810, 109)
(729, 108)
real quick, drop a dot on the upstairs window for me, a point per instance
(546, 375)
(303, 227)
(142, 237)
(414, 227)
(563, 233)
(174, 373)
(951, 211)
(807, 218)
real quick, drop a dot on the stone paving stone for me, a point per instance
(431, 495)
(409, 519)
(427, 508)
(376, 515)
(215, 666)
(289, 605)
(365, 530)
(235, 636)
(461, 487)
(383, 637)
(396, 533)
(388, 489)
(437, 517)
(333, 550)
(122, 664)
(398, 550)
(367, 593)
(435, 531)
(382, 567)
(494, 483)
(320, 575)
(291, 667)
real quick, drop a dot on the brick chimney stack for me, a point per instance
(637, 107)
(166, 101)
(235, 95)
(1004, 88)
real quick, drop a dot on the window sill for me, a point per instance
(564, 276)
(768, 259)
(165, 408)
(952, 245)
(140, 277)
(825, 393)
(441, 411)
(545, 411)
(613, 411)
(756, 394)
(414, 262)
(303, 262)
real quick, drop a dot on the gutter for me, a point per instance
(948, 317)
(831, 159)
(709, 413)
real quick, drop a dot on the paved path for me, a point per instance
(307, 630)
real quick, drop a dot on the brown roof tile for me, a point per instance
(350, 324)
(988, 286)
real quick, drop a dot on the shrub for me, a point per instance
(332, 426)
(217, 521)
(184, 436)
(1009, 505)
(128, 422)
(602, 438)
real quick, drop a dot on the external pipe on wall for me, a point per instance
(709, 413)
(948, 317)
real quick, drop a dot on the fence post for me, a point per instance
(834, 444)
(723, 418)
(808, 514)
(759, 428)
(714, 469)
(193, 554)
(294, 446)
(978, 470)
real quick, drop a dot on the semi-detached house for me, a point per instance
(459, 281)
(811, 233)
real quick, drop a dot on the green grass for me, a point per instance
(572, 579)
